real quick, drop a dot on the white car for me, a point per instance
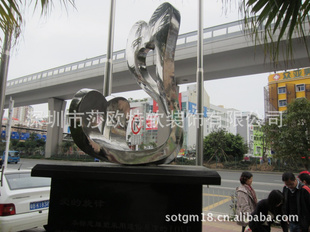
(24, 200)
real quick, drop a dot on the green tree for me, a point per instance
(66, 146)
(31, 146)
(221, 144)
(13, 144)
(2, 146)
(289, 137)
(34, 145)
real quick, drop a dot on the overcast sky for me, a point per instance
(77, 34)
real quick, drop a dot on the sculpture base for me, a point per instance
(114, 198)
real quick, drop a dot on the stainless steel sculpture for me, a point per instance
(99, 125)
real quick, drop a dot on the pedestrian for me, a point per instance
(268, 211)
(246, 199)
(297, 203)
(306, 172)
(304, 178)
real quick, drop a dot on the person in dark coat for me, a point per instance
(268, 211)
(297, 203)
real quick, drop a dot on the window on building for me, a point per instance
(300, 87)
(258, 150)
(281, 90)
(282, 103)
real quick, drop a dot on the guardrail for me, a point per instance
(188, 39)
(221, 200)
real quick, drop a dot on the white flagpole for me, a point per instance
(199, 86)
(107, 79)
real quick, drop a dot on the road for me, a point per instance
(216, 199)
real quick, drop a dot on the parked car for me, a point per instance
(13, 157)
(24, 200)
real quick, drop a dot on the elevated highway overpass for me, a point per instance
(228, 52)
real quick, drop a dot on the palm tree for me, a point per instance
(11, 22)
(277, 18)
(11, 18)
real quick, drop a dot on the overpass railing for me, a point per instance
(223, 31)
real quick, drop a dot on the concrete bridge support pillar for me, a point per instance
(54, 138)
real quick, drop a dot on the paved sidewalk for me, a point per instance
(227, 227)
(206, 227)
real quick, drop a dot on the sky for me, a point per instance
(71, 35)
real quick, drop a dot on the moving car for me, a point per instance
(24, 200)
(13, 157)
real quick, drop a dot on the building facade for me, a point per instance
(189, 109)
(285, 87)
(149, 123)
(214, 118)
(258, 141)
(23, 114)
(218, 118)
(244, 125)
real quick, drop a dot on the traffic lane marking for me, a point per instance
(221, 202)
(233, 189)
(254, 182)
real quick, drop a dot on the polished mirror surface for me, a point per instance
(99, 124)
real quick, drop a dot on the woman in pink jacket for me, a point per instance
(246, 199)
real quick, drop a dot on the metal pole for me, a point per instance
(4, 66)
(8, 134)
(199, 86)
(107, 79)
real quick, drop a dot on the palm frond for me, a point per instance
(11, 18)
(279, 19)
(46, 6)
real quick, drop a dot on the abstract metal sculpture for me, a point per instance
(96, 135)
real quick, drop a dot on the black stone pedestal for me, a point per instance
(113, 198)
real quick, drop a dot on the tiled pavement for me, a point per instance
(227, 227)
